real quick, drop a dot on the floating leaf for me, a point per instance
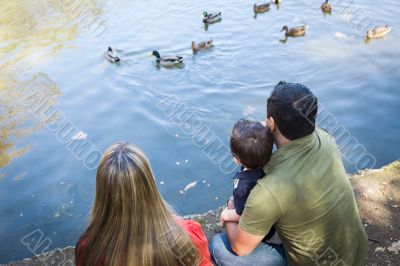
(67, 213)
(20, 176)
(189, 186)
(248, 110)
(79, 136)
(341, 35)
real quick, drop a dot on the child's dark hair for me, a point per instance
(251, 143)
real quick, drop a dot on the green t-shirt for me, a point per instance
(307, 195)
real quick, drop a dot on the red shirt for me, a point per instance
(192, 228)
(196, 234)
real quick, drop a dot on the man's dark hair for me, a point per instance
(294, 109)
(251, 143)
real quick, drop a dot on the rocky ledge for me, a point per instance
(378, 196)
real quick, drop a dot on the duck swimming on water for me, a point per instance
(378, 32)
(167, 60)
(326, 7)
(202, 45)
(212, 17)
(261, 8)
(295, 31)
(111, 56)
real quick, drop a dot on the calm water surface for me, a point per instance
(46, 48)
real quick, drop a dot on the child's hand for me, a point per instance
(224, 217)
(230, 204)
(229, 215)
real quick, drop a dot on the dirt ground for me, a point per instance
(378, 198)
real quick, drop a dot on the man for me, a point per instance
(305, 194)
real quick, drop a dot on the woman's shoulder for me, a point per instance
(199, 239)
(192, 227)
(79, 246)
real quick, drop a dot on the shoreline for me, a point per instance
(377, 193)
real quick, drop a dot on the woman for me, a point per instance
(131, 224)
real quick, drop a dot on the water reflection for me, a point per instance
(16, 122)
(29, 26)
(29, 32)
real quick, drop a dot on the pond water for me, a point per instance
(52, 63)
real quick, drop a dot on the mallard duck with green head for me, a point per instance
(261, 8)
(378, 32)
(202, 45)
(295, 31)
(211, 17)
(167, 60)
(326, 7)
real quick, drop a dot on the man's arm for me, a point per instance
(242, 243)
(261, 212)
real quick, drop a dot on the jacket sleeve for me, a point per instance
(240, 196)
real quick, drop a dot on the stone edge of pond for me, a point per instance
(209, 221)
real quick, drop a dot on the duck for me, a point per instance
(111, 56)
(212, 17)
(326, 7)
(295, 31)
(167, 60)
(276, 2)
(261, 8)
(202, 45)
(378, 32)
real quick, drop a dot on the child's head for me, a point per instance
(251, 143)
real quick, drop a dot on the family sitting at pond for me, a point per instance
(301, 191)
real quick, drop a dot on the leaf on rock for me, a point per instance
(395, 247)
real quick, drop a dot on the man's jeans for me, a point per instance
(263, 254)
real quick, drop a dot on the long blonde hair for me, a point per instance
(130, 223)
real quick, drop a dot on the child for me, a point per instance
(251, 147)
